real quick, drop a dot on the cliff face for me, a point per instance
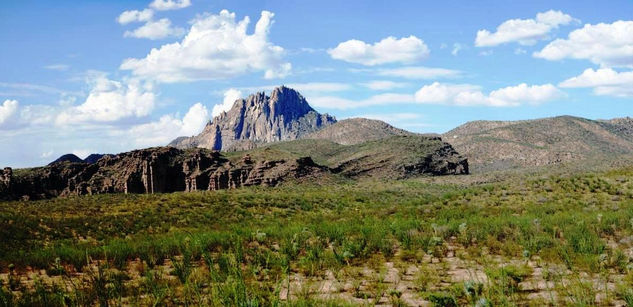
(259, 119)
(153, 170)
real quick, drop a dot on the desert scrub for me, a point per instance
(269, 234)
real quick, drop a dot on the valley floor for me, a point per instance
(451, 241)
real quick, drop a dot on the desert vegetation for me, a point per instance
(536, 240)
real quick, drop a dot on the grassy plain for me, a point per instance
(451, 241)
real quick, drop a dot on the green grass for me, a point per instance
(237, 247)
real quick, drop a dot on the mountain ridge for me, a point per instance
(492, 145)
(258, 119)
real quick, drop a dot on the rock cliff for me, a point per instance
(259, 119)
(154, 170)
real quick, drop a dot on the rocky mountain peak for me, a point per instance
(258, 119)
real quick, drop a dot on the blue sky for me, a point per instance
(111, 76)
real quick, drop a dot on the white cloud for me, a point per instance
(523, 31)
(320, 86)
(58, 67)
(402, 120)
(37, 115)
(135, 16)
(230, 96)
(195, 119)
(169, 127)
(389, 50)
(604, 81)
(457, 47)
(156, 30)
(28, 89)
(46, 154)
(519, 51)
(332, 102)
(308, 87)
(419, 72)
(391, 117)
(7, 110)
(110, 101)
(216, 47)
(448, 94)
(471, 95)
(165, 5)
(382, 85)
(608, 45)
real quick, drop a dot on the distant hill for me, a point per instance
(67, 158)
(72, 158)
(259, 119)
(492, 145)
(356, 130)
(93, 158)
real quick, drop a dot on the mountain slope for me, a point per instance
(355, 131)
(491, 145)
(259, 119)
(398, 156)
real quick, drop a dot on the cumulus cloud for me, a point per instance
(110, 101)
(471, 95)
(169, 127)
(37, 115)
(156, 30)
(605, 44)
(389, 50)
(7, 110)
(523, 31)
(216, 47)
(604, 81)
(419, 72)
(166, 5)
(229, 99)
(135, 16)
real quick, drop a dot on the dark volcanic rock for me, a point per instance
(259, 119)
(67, 158)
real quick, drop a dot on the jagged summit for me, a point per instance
(282, 116)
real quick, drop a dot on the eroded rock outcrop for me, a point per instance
(5, 180)
(154, 170)
(259, 119)
(267, 172)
